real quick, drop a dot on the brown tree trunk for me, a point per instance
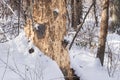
(51, 14)
(76, 12)
(103, 31)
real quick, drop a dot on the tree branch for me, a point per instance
(9, 8)
(80, 26)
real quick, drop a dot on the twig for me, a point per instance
(37, 75)
(16, 66)
(9, 7)
(80, 26)
(30, 75)
(19, 11)
(6, 64)
(12, 69)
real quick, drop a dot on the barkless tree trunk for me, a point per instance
(49, 16)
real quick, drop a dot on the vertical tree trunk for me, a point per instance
(103, 31)
(76, 12)
(52, 15)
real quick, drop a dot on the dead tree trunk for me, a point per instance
(103, 31)
(50, 18)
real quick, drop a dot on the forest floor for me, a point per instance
(17, 64)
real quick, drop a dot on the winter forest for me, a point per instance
(59, 39)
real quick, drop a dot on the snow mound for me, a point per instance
(87, 67)
(18, 64)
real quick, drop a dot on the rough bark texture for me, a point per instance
(76, 12)
(103, 31)
(45, 12)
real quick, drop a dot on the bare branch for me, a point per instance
(80, 25)
(12, 69)
(9, 8)
(6, 64)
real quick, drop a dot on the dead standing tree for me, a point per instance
(46, 28)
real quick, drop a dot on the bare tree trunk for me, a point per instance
(50, 15)
(103, 31)
(76, 12)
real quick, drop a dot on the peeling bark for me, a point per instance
(51, 44)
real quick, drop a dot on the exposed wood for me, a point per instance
(51, 44)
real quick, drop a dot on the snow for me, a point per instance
(88, 67)
(36, 26)
(56, 10)
(18, 64)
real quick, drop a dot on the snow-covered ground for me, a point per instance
(17, 64)
(88, 67)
